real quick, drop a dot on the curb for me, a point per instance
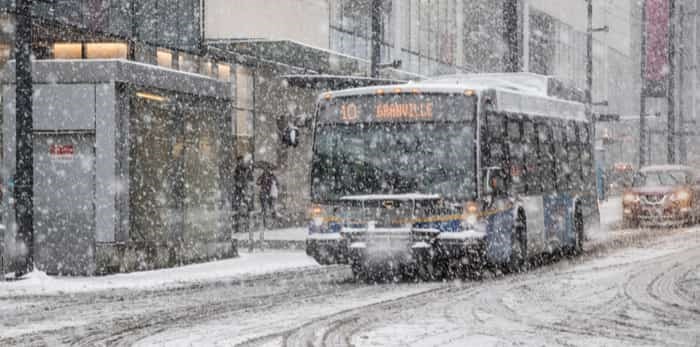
(629, 238)
(273, 244)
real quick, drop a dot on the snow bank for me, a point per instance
(38, 283)
(291, 234)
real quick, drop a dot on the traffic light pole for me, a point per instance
(642, 94)
(672, 91)
(376, 37)
(24, 155)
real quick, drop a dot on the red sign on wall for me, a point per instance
(61, 152)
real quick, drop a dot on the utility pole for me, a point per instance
(24, 176)
(514, 35)
(682, 52)
(589, 65)
(682, 153)
(376, 37)
(672, 92)
(642, 93)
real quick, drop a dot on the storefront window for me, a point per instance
(106, 50)
(203, 190)
(224, 72)
(164, 58)
(188, 62)
(175, 163)
(68, 51)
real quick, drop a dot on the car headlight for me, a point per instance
(681, 195)
(630, 198)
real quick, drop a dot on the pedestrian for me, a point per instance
(242, 201)
(268, 194)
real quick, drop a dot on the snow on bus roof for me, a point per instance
(514, 93)
(399, 197)
(656, 168)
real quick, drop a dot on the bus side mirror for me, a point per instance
(290, 136)
(495, 182)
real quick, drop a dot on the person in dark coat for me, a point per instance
(268, 193)
(242, 201)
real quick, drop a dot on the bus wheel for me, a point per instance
(518, 246)
(578, 232)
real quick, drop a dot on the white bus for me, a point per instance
(449, 175)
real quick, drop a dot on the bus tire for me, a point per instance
(518, 256)
(578, 232)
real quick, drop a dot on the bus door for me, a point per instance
(527, 183)
(497, 204)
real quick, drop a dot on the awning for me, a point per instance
(336, 82)
(302, 58)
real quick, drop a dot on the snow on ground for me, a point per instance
(38, 283)
(611, 211)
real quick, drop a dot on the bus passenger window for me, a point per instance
(513, 130)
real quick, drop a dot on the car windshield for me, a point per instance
(660, 179)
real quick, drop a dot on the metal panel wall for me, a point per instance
(106, 184)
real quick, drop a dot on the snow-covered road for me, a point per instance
(628, 290)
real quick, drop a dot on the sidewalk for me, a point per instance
(247, 264)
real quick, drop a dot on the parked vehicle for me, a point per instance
(666, 195)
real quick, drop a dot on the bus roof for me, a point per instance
(671, 167)
(514, 93)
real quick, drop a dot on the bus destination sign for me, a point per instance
(394, 109)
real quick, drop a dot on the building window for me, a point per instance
(105, 50)
(206, 68)
(67, 51)
(188, 63)
(164, 58)
(244, 108)
(224, 72)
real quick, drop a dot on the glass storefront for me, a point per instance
(176, 159)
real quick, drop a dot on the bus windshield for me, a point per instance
(387, 158)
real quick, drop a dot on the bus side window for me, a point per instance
(545, 171)
(574, 153)
(516, 156)
(563, 170)
(586, 157)
(530, 150)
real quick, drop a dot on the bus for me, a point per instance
(450, 175)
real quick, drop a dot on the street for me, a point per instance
(637, 288)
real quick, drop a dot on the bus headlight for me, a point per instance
(317, 215)
(630, 198)
(470, 215)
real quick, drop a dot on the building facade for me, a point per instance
(429, 37)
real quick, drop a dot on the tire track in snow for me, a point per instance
(569, 315)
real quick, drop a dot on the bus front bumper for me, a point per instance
(413, 245)
(327, 248)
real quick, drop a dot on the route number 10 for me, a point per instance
(348, 112)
